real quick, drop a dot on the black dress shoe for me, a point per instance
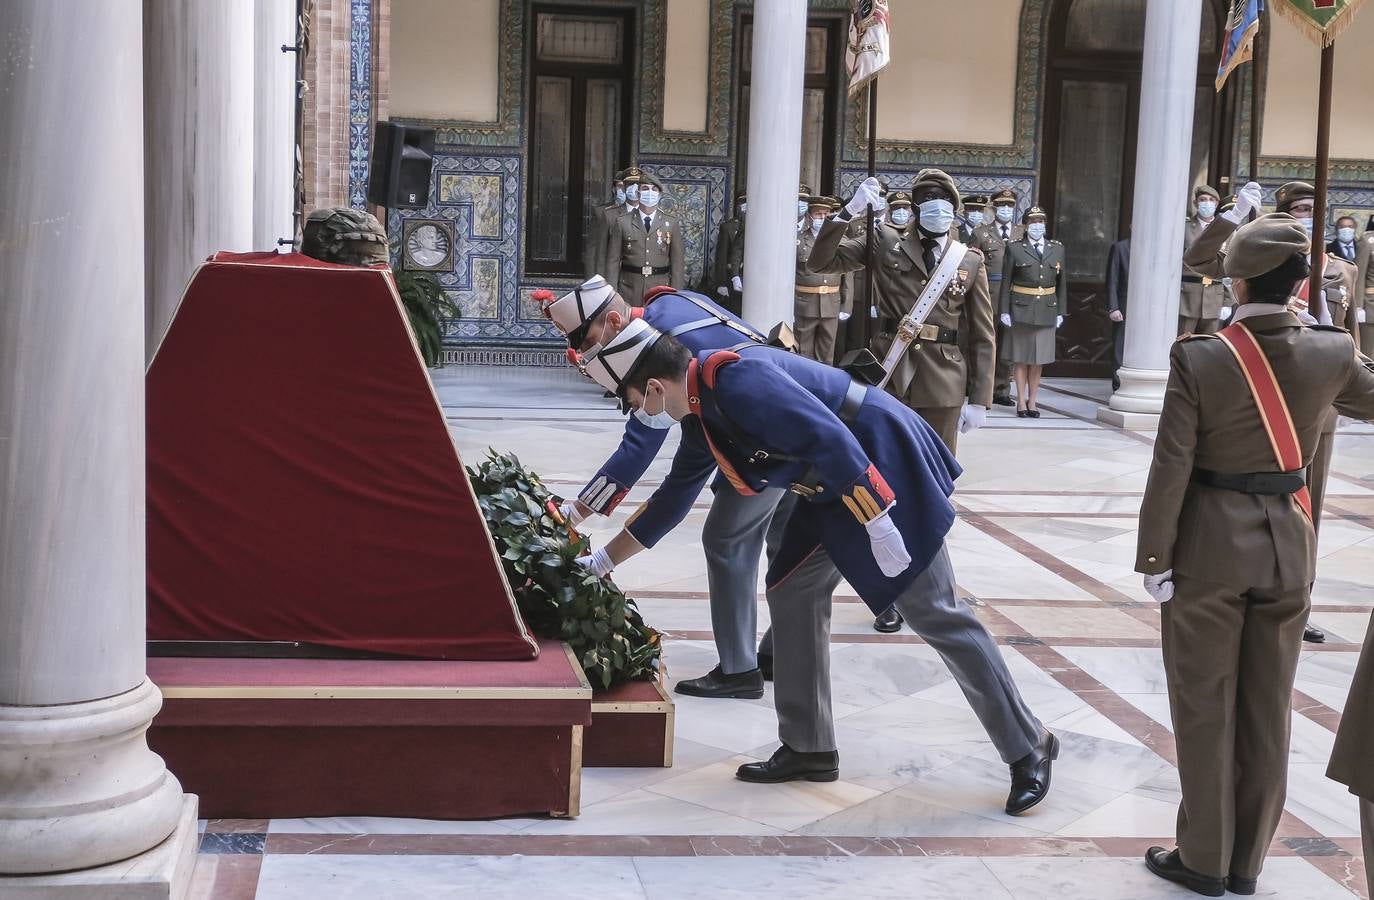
(766, 666)
(1167, 865)
(1032, 414)
(1030, 775)
(715, 683)
(789, 765)
(889, 621)
(1313, 635)
(1237, 885)
(1022, 414)
(1003, 400)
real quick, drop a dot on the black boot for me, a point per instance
(1030, 775)
(715, 683)
(789, 765)
(1167, 865)
(1237, 885)
(1313, 635)
(888, 622)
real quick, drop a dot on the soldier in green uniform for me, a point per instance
(992, 238)
(645, 248)
(1363, 300)
(1202, 299)
(594, 250)
(816, 308)
(975, 215)
(1033, 297)
(727, 274)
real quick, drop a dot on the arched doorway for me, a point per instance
(1087, 175)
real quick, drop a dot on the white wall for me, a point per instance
(687, 67)
(1290, 106)
(444, 59)
(939, 86)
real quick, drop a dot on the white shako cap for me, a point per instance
(615, 363)
(571, 312)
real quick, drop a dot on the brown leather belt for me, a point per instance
(1033, 291)
(818, 289)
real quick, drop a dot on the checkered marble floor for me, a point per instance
(1044, 548)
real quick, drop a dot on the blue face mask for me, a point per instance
(1206, 209)
(620, 196)
(976, 218)
(1345, 235)
(937, 216)
(632, 193)
(900, 217)
(660, 421)
(802, 207)
(742, 208)
(1036, 231)
(1004, 213)
(648, 197)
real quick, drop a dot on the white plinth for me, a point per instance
(1131, 421)
(162, 873)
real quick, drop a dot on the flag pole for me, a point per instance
(1314, 294)
(872, 249)
(1255, 53)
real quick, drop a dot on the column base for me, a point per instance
(1131, 421)
(1137, 403)
(162, 873)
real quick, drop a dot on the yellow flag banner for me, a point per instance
(1319, 20)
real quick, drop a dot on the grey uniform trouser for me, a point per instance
(800, 609)
(733, 538)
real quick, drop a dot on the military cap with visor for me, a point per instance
(1265, 244)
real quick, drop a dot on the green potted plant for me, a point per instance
(427, 305)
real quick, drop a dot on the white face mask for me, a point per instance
(1207, 209)
(648, 197)
(802, 207)
(1004, 213)
(937, 216)
(620, 196)
(976, 218)
(660, 421)
(1036, 231)
(816, 225)
(1307, 224)
(741, 208)
(900, 217)
(632, 193)
(1345, 235)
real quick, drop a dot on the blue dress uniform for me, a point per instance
(768, 419)
(737, 525)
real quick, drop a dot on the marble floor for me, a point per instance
(1043, 547)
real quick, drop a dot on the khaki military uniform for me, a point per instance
(988, 239)
(816, 309)
(594, 253)
(937, 375)
(1354, 749)
(1035, 293)
(1201, 297)
(1364, 291)
(1242, 565)
(729, 264)
(639, 259)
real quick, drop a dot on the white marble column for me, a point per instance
(198, 123)
(775, 108)
(1168, 84)
(274, 122)
(78, 785)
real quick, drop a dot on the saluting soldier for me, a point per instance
(1202, 299)
(816, 308)
(1363, 300)
(645, 249)
(949, 386)
(728, 272)
(1228, 548)
(1032, 302)
(1355, 748)
(594, 253)
(992, 239)
(874, 484)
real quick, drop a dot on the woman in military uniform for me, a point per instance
(1033, 296)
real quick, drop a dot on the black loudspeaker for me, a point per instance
(402, 158)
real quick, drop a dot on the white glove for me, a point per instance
(1161, 586)
(571, 514)
(889, 550)
(1359, 315)
(1058, 320)
(971, 416)
(723, 291)
(1249, 199)
(598, 563)
(868, 193)
(737, 283)
(1225, 313)
(844, 317)
(1006, 320)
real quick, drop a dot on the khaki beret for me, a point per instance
(941, 180)
(1265, 244)
(1292, 192)
(1205, 190)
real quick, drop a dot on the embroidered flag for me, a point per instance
(869, 40)
(1320, 20)
(1238, 46)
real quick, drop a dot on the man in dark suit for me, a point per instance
(1118, 275)
(1343, 245)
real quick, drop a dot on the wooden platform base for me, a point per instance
(632, 725)
(294, 738)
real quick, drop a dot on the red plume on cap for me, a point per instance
(543, 297)
(574, 358)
